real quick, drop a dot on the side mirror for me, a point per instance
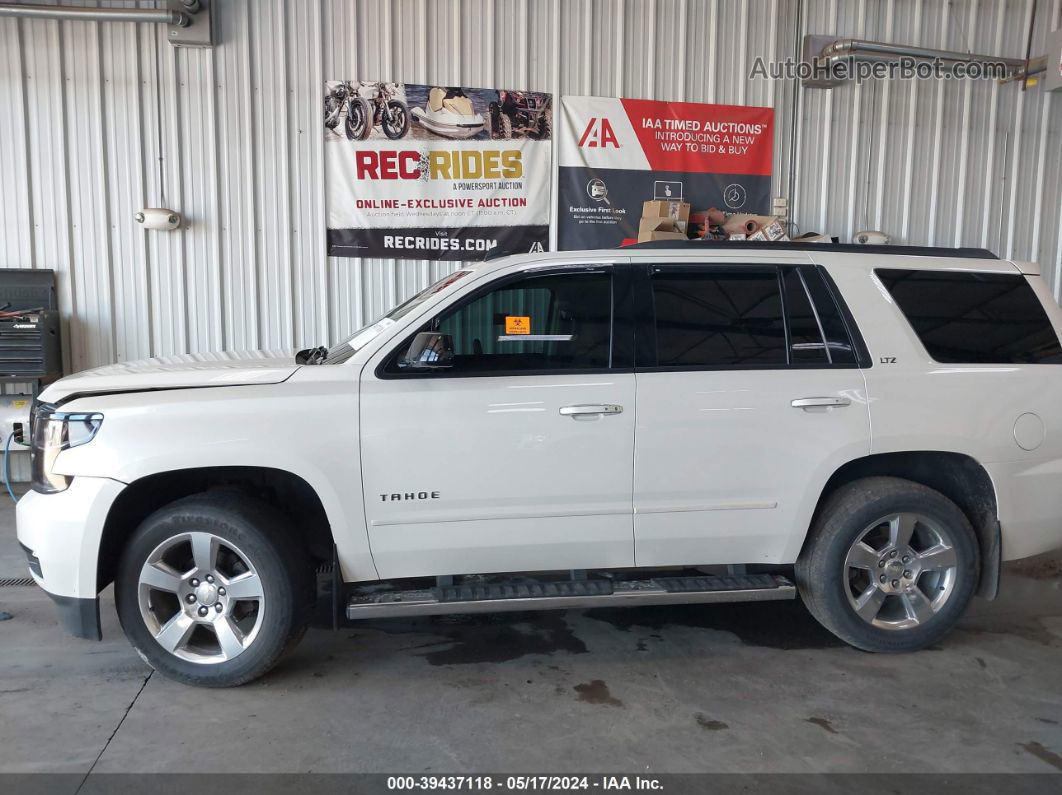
(429, 351)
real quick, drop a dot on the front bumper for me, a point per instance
(60, 534)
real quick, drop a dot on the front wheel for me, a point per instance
(395, 121)
(358, 124)
(890, 565)
(212, 590)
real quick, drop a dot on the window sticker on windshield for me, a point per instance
(364, 336)
(517, 324)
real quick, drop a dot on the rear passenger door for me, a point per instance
(749, 396)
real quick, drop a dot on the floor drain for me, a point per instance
(14, 582)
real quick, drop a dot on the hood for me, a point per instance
(238, 368)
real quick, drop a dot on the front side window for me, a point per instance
(720, 318)
(537, 322)
(963, 317)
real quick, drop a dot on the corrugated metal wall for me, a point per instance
(98, 120)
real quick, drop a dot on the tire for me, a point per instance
(493, 112)
(927, 584)
(505, 127)
(545, 130)
(358, 124)
(396, 111)
(256, 557)
(331, 113)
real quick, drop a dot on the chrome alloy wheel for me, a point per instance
(201, 598)
(900, 571)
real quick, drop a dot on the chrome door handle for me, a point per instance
(818, 402)
(585, 409)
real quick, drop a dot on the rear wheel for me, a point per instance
(890, 565)
(212, 590)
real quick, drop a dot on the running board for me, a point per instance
(535, 595)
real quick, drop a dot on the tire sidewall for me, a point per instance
(825, 579)
(282, 619)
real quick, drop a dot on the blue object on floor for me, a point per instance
(7, 468)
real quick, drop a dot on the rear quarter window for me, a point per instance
(963, 317)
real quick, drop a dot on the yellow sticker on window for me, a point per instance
(19, 404)
(517, 325)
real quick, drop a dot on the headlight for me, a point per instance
(51, 432)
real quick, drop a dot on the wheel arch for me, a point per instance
(284, 490)
(959, 477)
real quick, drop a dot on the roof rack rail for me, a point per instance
(797, 245)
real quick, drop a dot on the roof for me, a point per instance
(796, 246)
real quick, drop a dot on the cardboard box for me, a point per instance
(657, 225)
(677, 211)
(659, 229)
(663, 220)
(774, 230)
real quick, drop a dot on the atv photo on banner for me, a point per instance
(436, 172)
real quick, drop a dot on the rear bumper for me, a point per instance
(1030, 506)
(60, 534)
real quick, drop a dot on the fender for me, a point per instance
(308, 429)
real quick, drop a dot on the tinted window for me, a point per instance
(558, 321)
(718, 318)
(979, 318)
(833, 325)
(805, 338)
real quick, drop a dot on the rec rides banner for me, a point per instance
(618, 153)
(436, 172)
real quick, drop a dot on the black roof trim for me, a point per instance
(797, 245)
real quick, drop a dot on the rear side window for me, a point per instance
(718, 318)
(806, 345)
(974, 318)
(838, 340)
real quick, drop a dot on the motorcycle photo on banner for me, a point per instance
(436, 172)
(641, 170)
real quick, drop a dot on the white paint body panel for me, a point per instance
(520, 486)
(64, 532)
(179, 372)
(727, 470)
(971, 409)
(306, 426)
(700, 467)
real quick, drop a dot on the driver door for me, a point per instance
(519, 456)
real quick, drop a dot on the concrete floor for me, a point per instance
(741, 688)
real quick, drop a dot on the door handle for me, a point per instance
(583, 410)
(820, 402)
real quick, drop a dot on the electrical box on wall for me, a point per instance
(14, 416)
(198, 30)
(1053, 75)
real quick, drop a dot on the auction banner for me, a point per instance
(616, 154)
(436, 172)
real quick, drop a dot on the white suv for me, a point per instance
(658, 424)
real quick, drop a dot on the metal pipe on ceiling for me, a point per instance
(161, 15)
(879, 50)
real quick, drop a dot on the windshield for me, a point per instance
(360, 338)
